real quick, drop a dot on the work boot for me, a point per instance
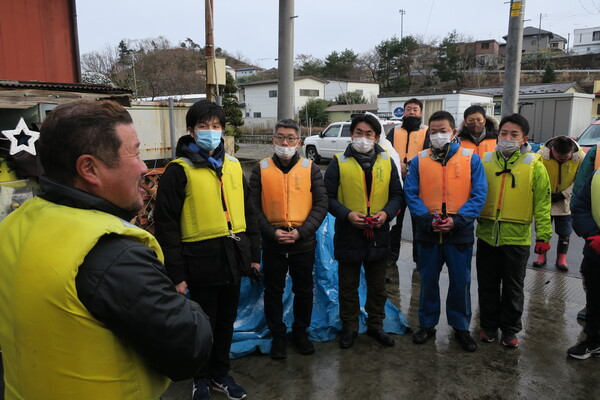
(381, 336)
(465, 340)
(423, 334)
(347, 339)
(304, 346)
(278, 348)
(561, 257)
(540, 261)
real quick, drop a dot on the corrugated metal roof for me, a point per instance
(66, 87)
(352, 107)
(542, 88)
(269, 81)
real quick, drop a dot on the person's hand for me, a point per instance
(255, 274)
(403, 169)
(255, 266)
(357, 219)
(381, 218)
(445, 225)
(280, 235)
(594, 242)
(541, 248)
(284, 237)
(555, 197)
(181, 287)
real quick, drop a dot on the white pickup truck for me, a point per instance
(334, 139)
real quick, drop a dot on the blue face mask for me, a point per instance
(208, 139)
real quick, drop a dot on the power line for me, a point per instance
(428, 18)
(582, 6)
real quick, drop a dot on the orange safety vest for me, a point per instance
(484, 146)
(449, 184)
(408, 146)
(597, 159)
(286, 198)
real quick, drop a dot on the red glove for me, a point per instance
(542, 248)
(594, 242)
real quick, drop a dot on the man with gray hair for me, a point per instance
(291, 202)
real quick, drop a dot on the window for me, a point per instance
(309, 92)
(272, 93)
(247, 115)
(256, 115)
(332, 131)
(497, 108)
(554, 45)
(596, 35)
(359, 91)
(485, 46)
(598, 110)
(533, 42)
(346, 130)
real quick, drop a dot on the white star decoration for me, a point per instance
(18, 134)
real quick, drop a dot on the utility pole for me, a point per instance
(539, 35)
(402, 12)
(514, 46)
(285, 62)
(209, 49)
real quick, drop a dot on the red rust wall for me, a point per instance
(37, 41)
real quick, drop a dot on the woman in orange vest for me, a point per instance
(478, 131)
(291, 202)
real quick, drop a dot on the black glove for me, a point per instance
(557, 197)
(255, 276)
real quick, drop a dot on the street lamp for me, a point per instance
(402, 12)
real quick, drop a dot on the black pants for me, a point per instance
(501, 277)
(396, 237)
(590, 268)
(275, 268)
(349, 279)
(220, 303)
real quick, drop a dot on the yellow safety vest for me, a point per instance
(596, 197)
(408, 146)
(352, 190)
(203, 215)
(52, 347)
(449, 184)
(286, 198)
(505, 202)
(562, 175)
(7, 174)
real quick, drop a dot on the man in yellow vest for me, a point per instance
(562, 157)
(478, 131)
(518, 191)
(206, 225)
(364, 192)
(408, 140)
(445, 190)
(586, 221)
(86, 308)
(291, 202)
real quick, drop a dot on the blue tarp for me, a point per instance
(250, 328)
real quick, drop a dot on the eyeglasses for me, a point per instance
(475, 121)
(290, 139)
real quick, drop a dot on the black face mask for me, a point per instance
(411, 123)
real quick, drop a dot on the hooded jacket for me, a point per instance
(491, 133)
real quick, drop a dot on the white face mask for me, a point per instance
(507, 147)
(439, 140)
(362, 145)
(285, 153)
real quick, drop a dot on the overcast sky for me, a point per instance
(250, 27)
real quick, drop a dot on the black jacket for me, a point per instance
(491, 130)
(308, 229)
(583, 221)
(350, 244)
(124, 285)
(218, 261)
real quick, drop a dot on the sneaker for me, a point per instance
(488, 336)
(278, 348)
(582, 314)
(423, 334)
(510, 341)
(201, 390)
(302, 343)
(465, 340)
(227, 385)
(584, 350)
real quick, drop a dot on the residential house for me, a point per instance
(344, 112)
(586, 40)
(335, 87)
(247, 71)
(481, 54)
(535, 40)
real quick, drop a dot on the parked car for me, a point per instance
(590, 136)
(334, 139)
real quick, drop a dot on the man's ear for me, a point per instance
(87, 167)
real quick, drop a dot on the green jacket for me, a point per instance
(497, 233)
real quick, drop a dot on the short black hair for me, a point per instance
(518, 120)
(443, 116)
(563, 145)
(77, 128)
(414, 101)
(287, 123)
(473, 110)
(369, 119)
(204, 111)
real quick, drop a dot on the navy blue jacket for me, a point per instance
(583, 221)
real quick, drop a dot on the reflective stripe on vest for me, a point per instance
(561, 175)
(52, 347)
(595, 189)
(203, 216)
(504, 202)
(286, 198)
(408, 146)
(352, 191)
(597, 159)
(449, 184)
(484, 146)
